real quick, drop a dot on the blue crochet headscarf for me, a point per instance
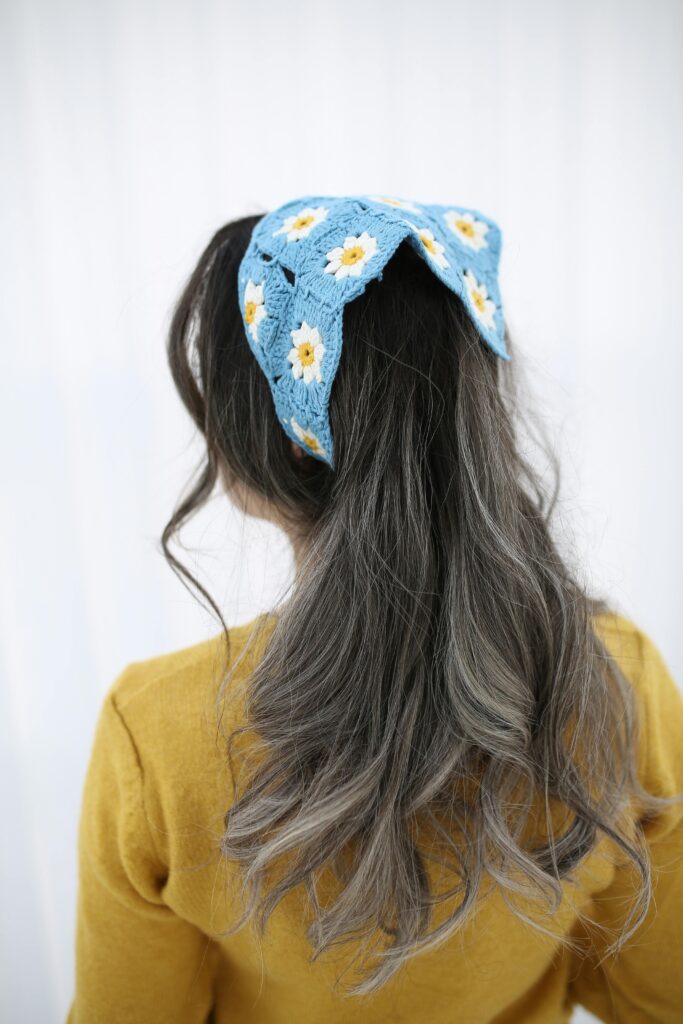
(312, 255)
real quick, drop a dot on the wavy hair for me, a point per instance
(435, 675)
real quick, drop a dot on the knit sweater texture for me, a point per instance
(154, 892)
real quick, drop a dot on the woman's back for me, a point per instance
(155, 893)
(421, 784)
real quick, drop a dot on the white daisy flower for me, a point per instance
(435, 249)
(254, 309)
(483, 307)
(302, 223)
(348, 260)
(308, 438)
(307, 353)
(471, 232)
(400, 204)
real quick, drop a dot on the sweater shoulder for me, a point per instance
(659, 704)
(621, 634)
(174, 705)
(176, 728)
(182, 675)
(637, 654)
(639, 659)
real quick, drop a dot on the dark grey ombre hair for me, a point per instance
(435, 670)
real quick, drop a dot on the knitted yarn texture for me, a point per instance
(312, 255)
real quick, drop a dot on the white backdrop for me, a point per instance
(131, 130)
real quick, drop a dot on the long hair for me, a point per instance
(435, 671)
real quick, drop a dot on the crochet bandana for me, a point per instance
(312, 255)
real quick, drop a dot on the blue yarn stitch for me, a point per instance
(284, 273)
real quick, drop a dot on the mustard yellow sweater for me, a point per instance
(153, 891)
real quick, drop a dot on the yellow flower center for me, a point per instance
(352, 255)
(428, 243)
(250, 312)
(465, 227)
(303, 222)
(391, 202)
(312, 442)
(306, 353)
(479, 300)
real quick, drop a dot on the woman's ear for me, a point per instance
(299, 453)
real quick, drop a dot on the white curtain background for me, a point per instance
(131, 131)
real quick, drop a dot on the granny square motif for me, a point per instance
(312, 255)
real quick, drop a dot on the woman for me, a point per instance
(441, 782)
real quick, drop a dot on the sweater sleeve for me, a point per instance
(643, 983)
(136, 960)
